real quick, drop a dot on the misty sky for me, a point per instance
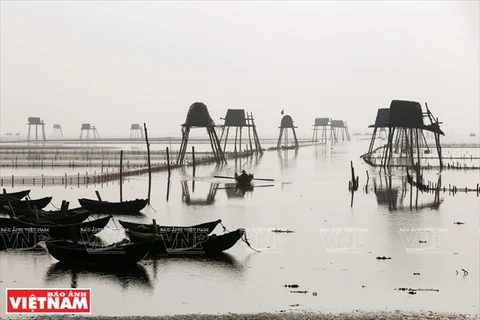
(114, 63)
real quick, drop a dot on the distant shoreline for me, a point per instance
(299, 315)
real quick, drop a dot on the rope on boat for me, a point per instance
(244, 237)
(224, 228)
(54, 206)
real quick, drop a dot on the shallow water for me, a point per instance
(332, 251)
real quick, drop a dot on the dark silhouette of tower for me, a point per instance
(57, 131)
(238, 119)
(87, 127)
(339, 128)
(285, 124)
(136, 131)
(198, 117)
(323, 125)
(406, 126)
(36, 121)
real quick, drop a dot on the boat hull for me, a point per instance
(121, 253)
(203, 228)
(176, 245)
(23, 205)
(18, 235)
(126, 207)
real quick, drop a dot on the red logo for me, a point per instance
(48, 301)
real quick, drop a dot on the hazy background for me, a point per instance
(113, 63)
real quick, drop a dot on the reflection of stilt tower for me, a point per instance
(198, 202)
(238, 119)
(287, 123)
(339, 128)
(405, 123)
(198, 116)
(88, 127)
(322, 125)
(57, 131)
(35, 121)
(136, 131)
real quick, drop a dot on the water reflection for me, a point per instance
(186, 198)
(392, 194)
(218, 265)
(285, 156)
(234, 190)
(250, 162)
(135, 276)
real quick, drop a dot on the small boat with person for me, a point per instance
(244, 178)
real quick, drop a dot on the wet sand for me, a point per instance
(360, 315)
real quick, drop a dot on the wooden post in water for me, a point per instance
(193, 160)
(168, 189)
(121, 175)
(168, 163)
(149, 165)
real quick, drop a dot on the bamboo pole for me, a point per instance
(149, 165)
(121, 175)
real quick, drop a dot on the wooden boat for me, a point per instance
(122, 253)
(125, 207)
(203, 228)
(243, 178)
(16, 195)
(167, 244)
(75, 215)
(22, 205)
(18, 234)
(72, 216)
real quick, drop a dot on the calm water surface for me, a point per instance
(332, 251)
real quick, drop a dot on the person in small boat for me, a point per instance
(244, 177)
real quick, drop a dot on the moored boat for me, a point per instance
(18, 234)
(124, 252)
(16, 195)
(22, 205)
(179, 244)
(203, 228)
(125, 207)
(72, 216)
